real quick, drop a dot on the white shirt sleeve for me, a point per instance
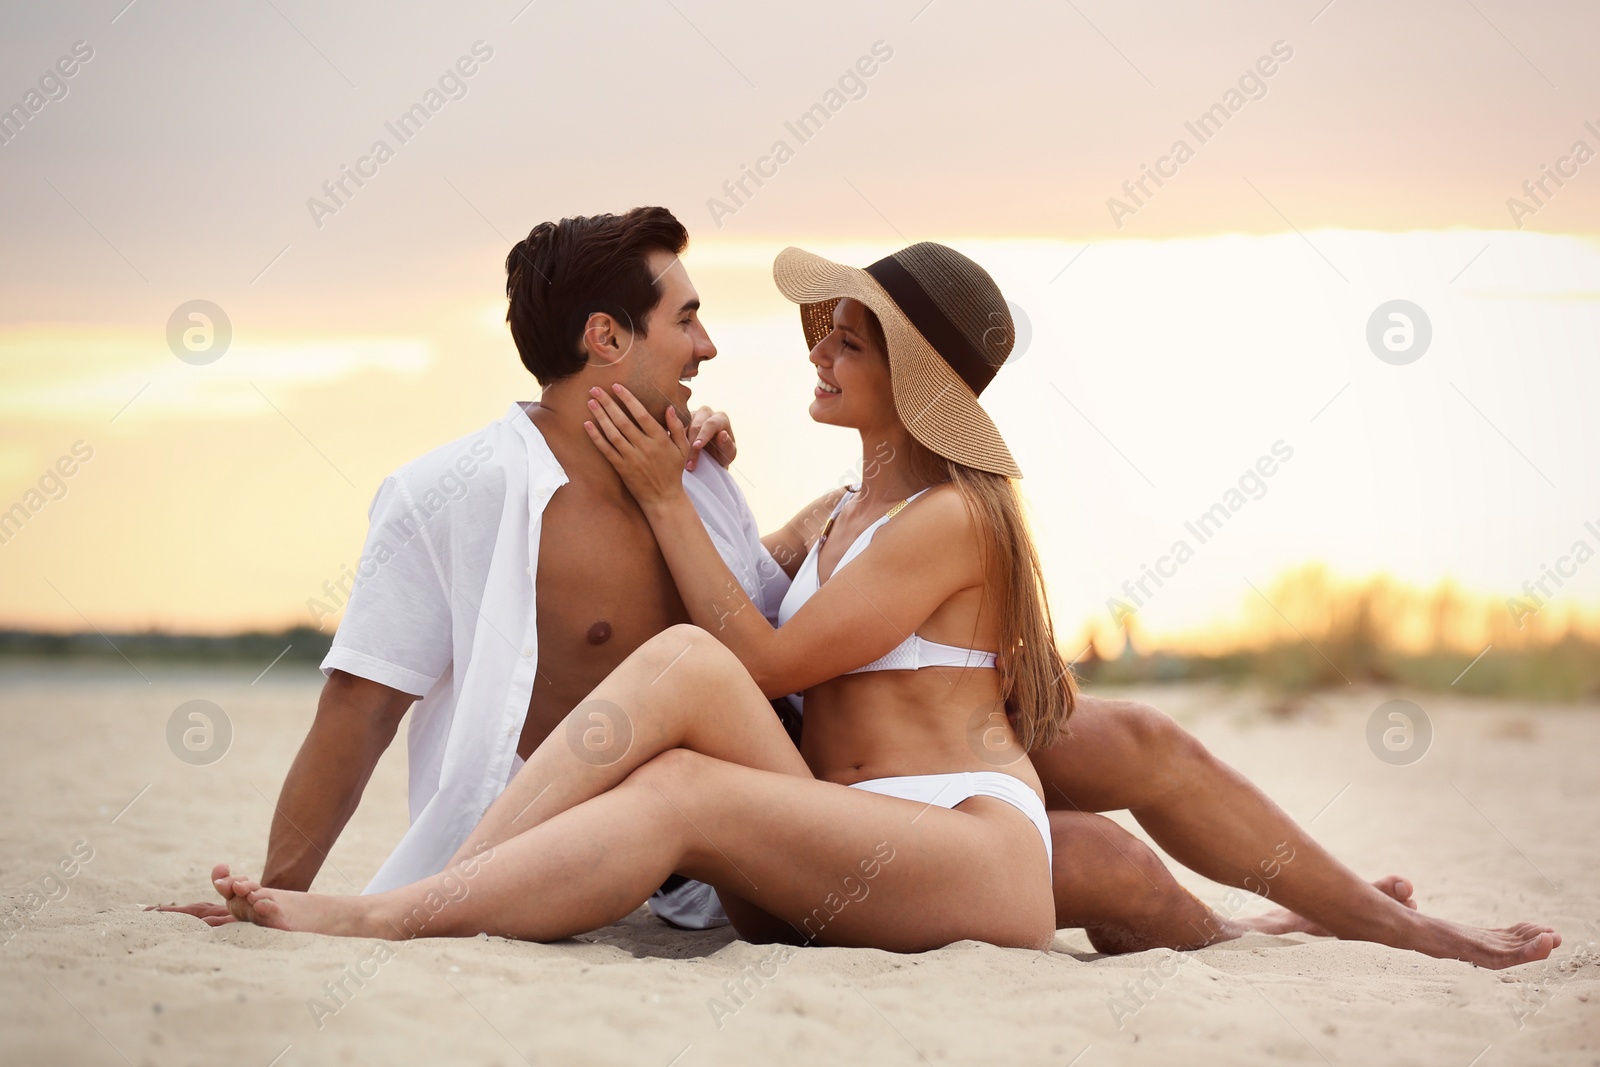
(396, 628)
(772, 580)
(727, 516)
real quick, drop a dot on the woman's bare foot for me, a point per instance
(224, 880)
(1284, 921)
(283, 909)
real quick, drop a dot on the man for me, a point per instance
(507, 573)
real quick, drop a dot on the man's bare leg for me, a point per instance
(1211, 819)
(1113, 886)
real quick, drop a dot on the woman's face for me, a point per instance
(853, 387)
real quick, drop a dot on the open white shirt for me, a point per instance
(443, 606)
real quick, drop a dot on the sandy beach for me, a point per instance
(1495, 824)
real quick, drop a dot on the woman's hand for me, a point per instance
(710, 430)
(650, 459)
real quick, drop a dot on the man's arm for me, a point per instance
(356, 720)
(791, 541)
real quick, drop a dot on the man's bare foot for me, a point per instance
(283, 909)
(1284, 921)
(1495, 949)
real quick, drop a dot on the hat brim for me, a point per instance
(935, 405)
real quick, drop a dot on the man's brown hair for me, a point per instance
(563, 272)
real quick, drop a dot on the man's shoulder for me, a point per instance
(463, 480)
(713, 478)
(717, 497)
(492, 449)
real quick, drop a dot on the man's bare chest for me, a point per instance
(602, 590)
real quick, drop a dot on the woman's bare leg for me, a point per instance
(680, 689)
(1214, 821)
(840, 866)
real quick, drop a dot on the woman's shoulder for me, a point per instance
(937, 517)
(935, 532)
(943, 501)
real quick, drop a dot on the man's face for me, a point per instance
(674, 342)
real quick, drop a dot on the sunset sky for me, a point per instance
(1172, 339)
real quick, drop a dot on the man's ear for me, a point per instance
(605, 341)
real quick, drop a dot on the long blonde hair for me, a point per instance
(1036, 682)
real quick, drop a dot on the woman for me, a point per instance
(916, 628)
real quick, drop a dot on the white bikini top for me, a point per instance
(914, 653)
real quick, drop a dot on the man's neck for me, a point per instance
(559, 415)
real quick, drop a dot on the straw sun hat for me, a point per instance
(948, 329)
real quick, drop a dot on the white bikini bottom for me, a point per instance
(948, 790)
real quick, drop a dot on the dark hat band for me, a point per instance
(951, 344)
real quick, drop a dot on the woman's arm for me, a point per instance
(912, 566)
(790, 542)
(711, 431)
